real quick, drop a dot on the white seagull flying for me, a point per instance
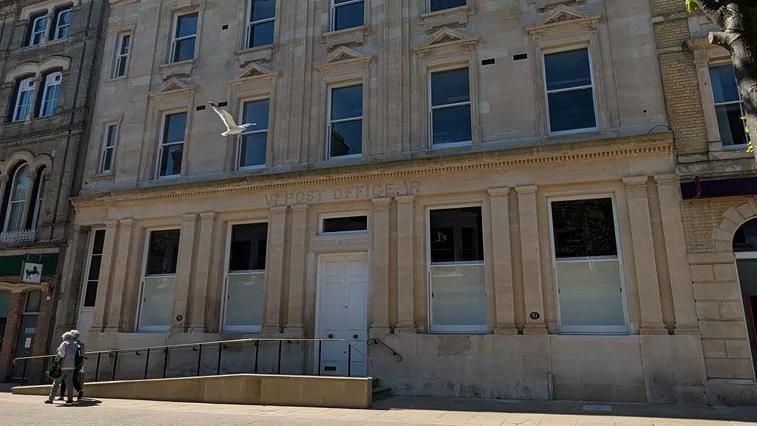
(231, 126)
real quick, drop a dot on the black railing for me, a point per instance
(251, 355)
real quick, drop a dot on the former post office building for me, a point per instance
(486, 188)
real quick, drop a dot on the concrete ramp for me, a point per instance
(264, 389)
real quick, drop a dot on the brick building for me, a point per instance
(48, 50)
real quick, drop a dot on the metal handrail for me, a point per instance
(396, 354)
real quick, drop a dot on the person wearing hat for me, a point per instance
(67, 355)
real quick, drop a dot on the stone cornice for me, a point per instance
(654, 144)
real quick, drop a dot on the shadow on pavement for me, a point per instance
(83, 403)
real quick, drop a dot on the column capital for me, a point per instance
(635, 180)
(189, 217)
(405, 199)
(207, 215)
(666, 179)
(381, 202)
(502, 191)
(299, 207)
(126, 222)
(526, 189)
(279, 209)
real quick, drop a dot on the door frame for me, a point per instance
(319, 292)
(748, 255)
(143, 274)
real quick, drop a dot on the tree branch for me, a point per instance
(721, 39)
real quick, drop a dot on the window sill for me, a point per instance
(456, 15)
(117, 79)
(354, 35)
(102, 176)
(176, 68)
(718, 151)
(41, 44)
(253, 54)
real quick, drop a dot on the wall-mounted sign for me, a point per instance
(31, 273)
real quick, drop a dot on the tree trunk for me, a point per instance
(737, 21)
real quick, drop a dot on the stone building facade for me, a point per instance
(487, 187)
(48, 51)
(719, 189)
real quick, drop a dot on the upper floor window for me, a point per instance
(123, 47)
(340, 224)
(20, 195)
(436, 5)
(450, 109)
(262, 20)
(346, 121)
(50, 94)
(109, 149)
(171, 150)
(62, 21)
(184, 38)
(22, 104)
(37, 29)
(570, 91)
(729, 106)
(254, 140)
(346, 14)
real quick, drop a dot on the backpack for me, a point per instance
(53, 371)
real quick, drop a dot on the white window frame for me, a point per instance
(324, 216)
(593, 87)
(106, 147)
(122, 58)
(40, 187)
(161, 144)
(34, 32)
(17, 118)
(454, 329)
(716, 104)
(432, 108)
(227, 258)
(253, 132)
(330, 122)
(175, 40)
(145, 256)
(335, 6)
(11, 202)
(589, 330)
(251, 24)
(85, 278)
(58, 15)
(428, 7)
(49, 83)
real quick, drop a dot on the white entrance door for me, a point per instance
(342, 314)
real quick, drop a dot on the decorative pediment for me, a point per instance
(563, 15)
(256, 70)
(444, 37)
(173, 84)
(343, 55)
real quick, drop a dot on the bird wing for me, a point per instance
(227, 119)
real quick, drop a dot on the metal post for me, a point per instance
(278, 368)
(147, 362)
(115, 366)
(199, 359)
(349, 360)
(319, 356)
(218, 368)
(23, 373)
(165, 361)
(257, 351)
(97, 366)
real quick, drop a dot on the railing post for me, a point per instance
(147, 362)
(115, 366)
(218, 368)
(349, 360)
(199, 359)
(257, 351)
(319, 356)
(278, 367)
(165, 361)
(23, 373)
(97, 367)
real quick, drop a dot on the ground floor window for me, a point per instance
(156, 305)
(456, 270)
(92, 276)
(245, 278)
(587, 266)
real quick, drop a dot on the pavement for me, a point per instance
(30, 410)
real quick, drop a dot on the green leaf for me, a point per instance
(691, 5)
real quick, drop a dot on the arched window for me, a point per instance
(38, 197)
(20, 192)
(62, 23)
(745, 248)
(22, 104)
(50, 94)
(37, 29)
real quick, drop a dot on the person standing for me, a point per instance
(78, 380)
(67, 355)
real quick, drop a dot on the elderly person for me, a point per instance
(78, 383)
(67, 355)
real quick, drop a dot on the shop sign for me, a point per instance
(31, 273)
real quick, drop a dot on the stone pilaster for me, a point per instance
(643, 250)
(104, 290)
(531, 259)
(501, 256)
(379, 260)
(183, 273)
(675, 246)
(201, 276)
(12, 325)
(120, 273)
(405, 264)
(275, 270)
(298, 253)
